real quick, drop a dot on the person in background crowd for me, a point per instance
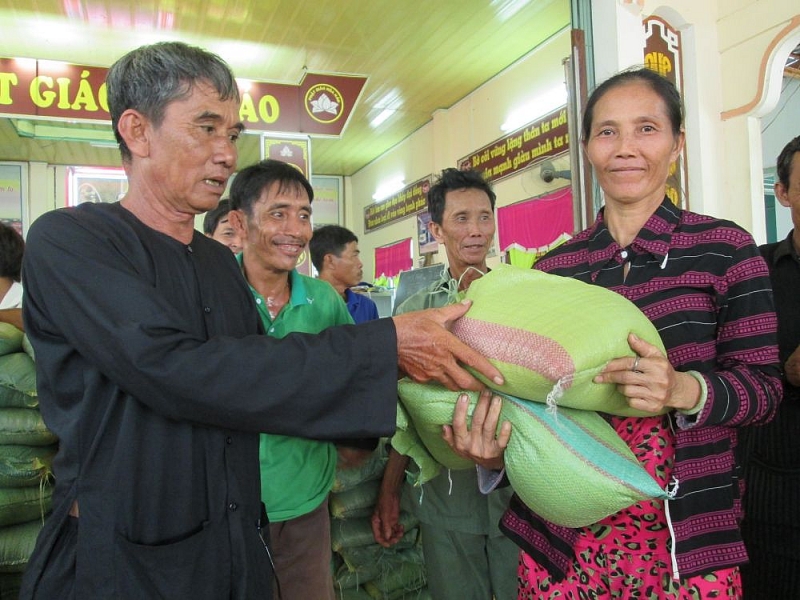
(271, 214)
(703, 284)
(771, 526)
(152, 369)
(334, 253)
(12, 248)
(466, 555)
(217, 226)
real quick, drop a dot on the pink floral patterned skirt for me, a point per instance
(627, 555)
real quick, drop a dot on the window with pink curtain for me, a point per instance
(391, 259)
(535, 223)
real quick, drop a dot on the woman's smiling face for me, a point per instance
(631, 144)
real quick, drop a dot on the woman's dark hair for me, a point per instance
(11, 248)
(663, 87)
(784, 166)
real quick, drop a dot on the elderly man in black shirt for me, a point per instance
(152, 372)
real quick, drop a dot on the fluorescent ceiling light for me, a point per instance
(535, 108)
(508, 8)
(382, 116)
(388, 187)
(386, 106)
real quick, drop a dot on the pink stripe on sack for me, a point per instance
(519, 347)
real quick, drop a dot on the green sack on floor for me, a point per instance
(397, 581)
(550, 335)
(18, 505)
(355, 593)
(371, 469)
(10, 339)
(18, 381)
(358, 501)
(352, 533)
(24, 426)
(16, 545)
(10, 584)
(549, 451)
(25, 466)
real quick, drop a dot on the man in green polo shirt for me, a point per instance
(271, 211)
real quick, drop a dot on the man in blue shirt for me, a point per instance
(335, 255)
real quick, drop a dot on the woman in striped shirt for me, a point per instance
(703, 284)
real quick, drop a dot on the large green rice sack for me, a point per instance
(352, 533)
(18, 505)
(358, 501)
(550, 335)
(355, 593)
(16, 545)
(407, 442)
(397, 581)
(27, 348)
(371, 469)
(25, 466)
(548, 454)
(24, 426)
(10, 339)
(428, 408)
(18, 381)
(11, 583)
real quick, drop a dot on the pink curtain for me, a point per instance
(535, 223)
(391, 259)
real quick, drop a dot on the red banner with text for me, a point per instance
(319, 105)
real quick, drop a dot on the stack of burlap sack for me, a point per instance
(27, 449)
(364, 570)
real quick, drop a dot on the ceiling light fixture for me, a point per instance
(382, 116)
(535, 108)
(388, 187)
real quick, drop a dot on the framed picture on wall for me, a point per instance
(327, 207)
(13, 178)
(95, 184)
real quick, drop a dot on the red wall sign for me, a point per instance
(319, 105)
(545, 137)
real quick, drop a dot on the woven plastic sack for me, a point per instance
(16, 545)
(357, 501)
(27, 348)
(366, 563)
(18, 505)
(550, 335)
(25, 466)
(24, 426)
(356, 593)
(10, 339)
(428, 408)
(371, 469)
(407, 442)
(397, 581)
(352, 533)
(11, 583)
(18, 381)
(548, 454)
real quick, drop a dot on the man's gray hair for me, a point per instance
(148, 78)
